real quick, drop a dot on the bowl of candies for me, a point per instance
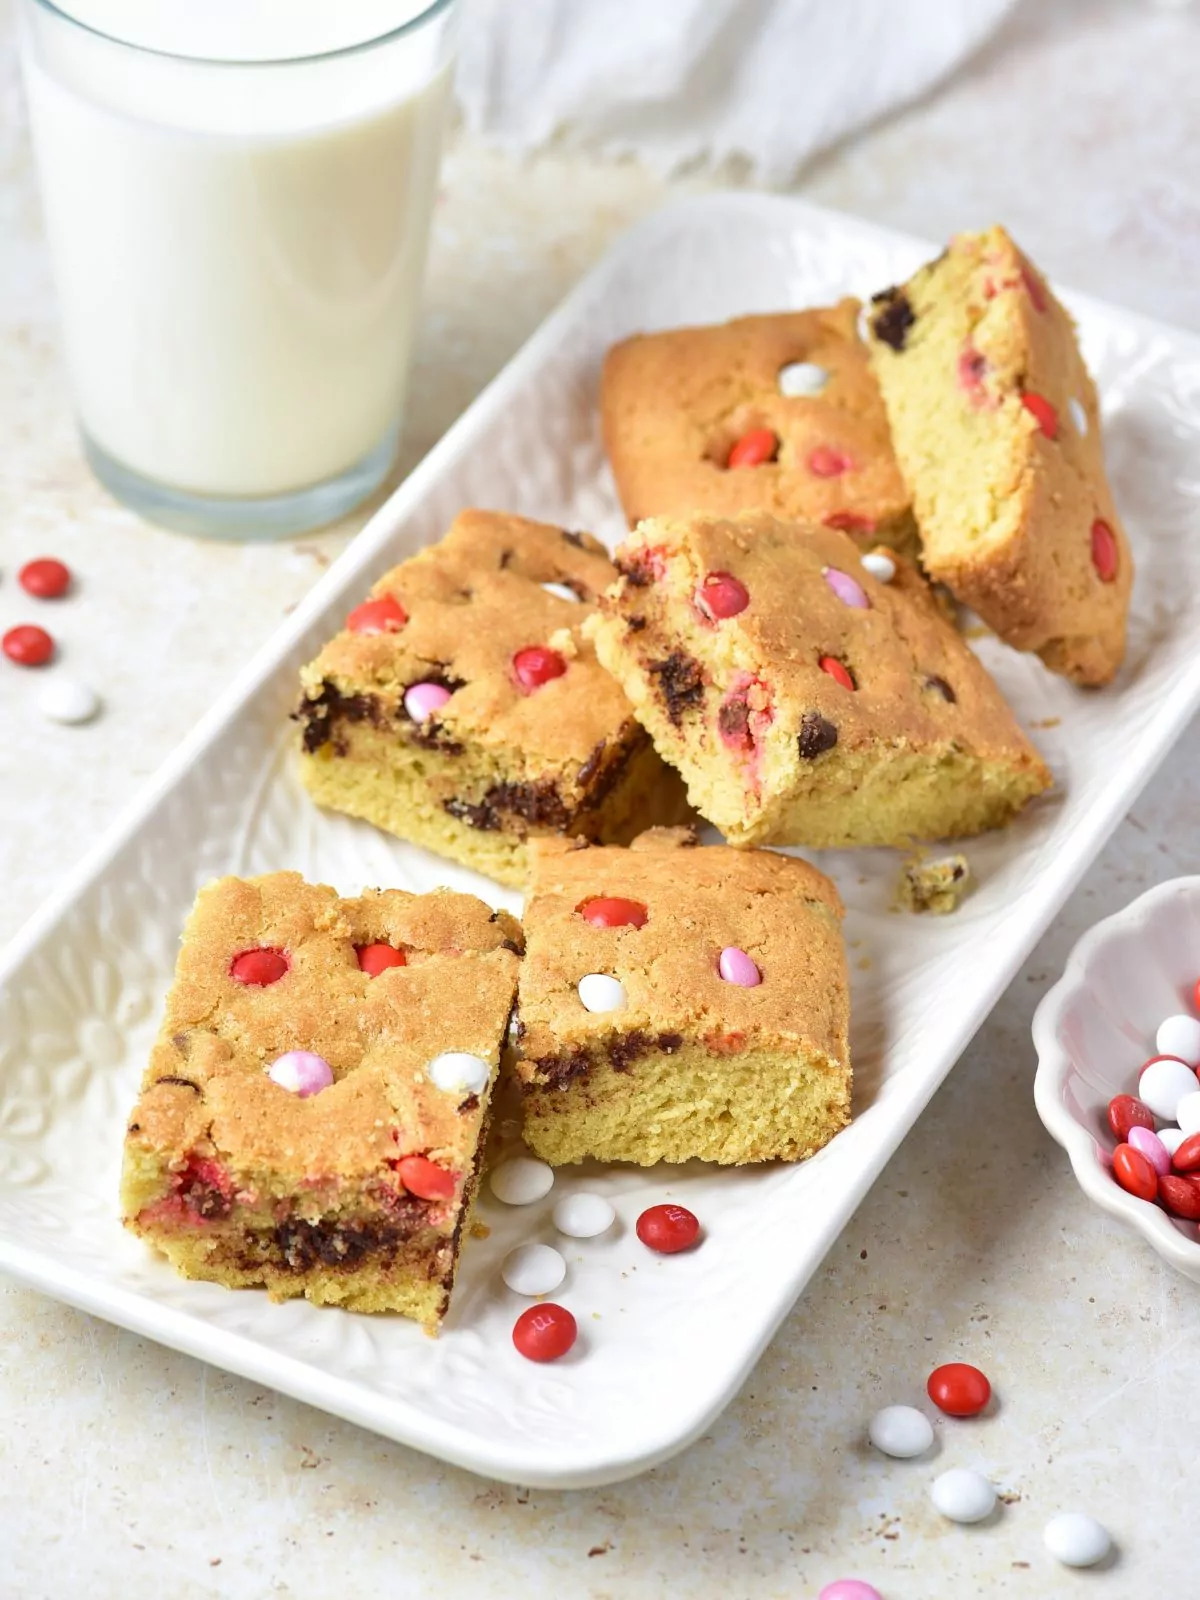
(1118, 1043)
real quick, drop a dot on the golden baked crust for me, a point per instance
(673, 404)
(773, 747)
(473, 600)
(497, 762)
(976, 359)
(238, 1179)
(692, 1066)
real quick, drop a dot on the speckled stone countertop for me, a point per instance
(130, 1471)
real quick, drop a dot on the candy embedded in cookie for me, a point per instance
(778, 413)
(830, 709)
(996, 427)
(729, 1040)
(313, 1114)
(462, 709)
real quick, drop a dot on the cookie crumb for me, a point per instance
(936, 886)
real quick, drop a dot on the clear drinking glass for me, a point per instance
(237, 198)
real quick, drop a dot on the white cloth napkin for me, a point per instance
(673, 81)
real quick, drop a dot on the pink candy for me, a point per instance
(421, 700)
(846, 589)
(301, 1072)
(1152, 1147)
(735, 966)
(849, 1589)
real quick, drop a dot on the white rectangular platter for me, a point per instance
(665, 1342)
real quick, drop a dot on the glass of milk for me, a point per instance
(237, 197)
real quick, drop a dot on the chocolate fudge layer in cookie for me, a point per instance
(804, 700)
(462, 708)
(313, 1113)
(681, 1001)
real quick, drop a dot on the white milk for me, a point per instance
(238, 248)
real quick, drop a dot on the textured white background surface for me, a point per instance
(131, 1471)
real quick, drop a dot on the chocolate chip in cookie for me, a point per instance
(816, 735)
(895, 317)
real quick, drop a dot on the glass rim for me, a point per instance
(433, 9)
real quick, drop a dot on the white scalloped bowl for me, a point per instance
(1094, 1029)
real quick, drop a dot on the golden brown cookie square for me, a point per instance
(461, 707)
(804, 699)
(313, 1113)
(680, 1001)
(775, 413)
(997, 430)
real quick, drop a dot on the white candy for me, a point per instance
(1163, 1085)
(1187, 1113)
(1180, 1036)
(1172, 1138)
(900, 1431)
(458, 1072)
(66, 700)
(1076, 1539)
(598, 992)
(521, 1181)
(583, 1216)
(561, 590)
(802, 378)
(963, 1495)
(533, 1269)
(1078, 415)
(880, 566)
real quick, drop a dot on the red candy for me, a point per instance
(1042, 412)
(838, 672)
(1141, 1164)
(45, 578)
(972, 367)
(721, 595)
(667, 1229)
(536, 665)
(1125, 1112)
(1036, 293)
(1104, 559)
(28, 645)
(738, 722)
(610, 911)
(754, 449)
(849, 522)
(1133, 1172)
(425, 1178)
(644, 567)
(376, 958)
(202, 1182)
(826, 463)
(543, 1333)
(1150, 1062)
(958, 1389)
(385, 615)
(258, 967)
(1181, 1197)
